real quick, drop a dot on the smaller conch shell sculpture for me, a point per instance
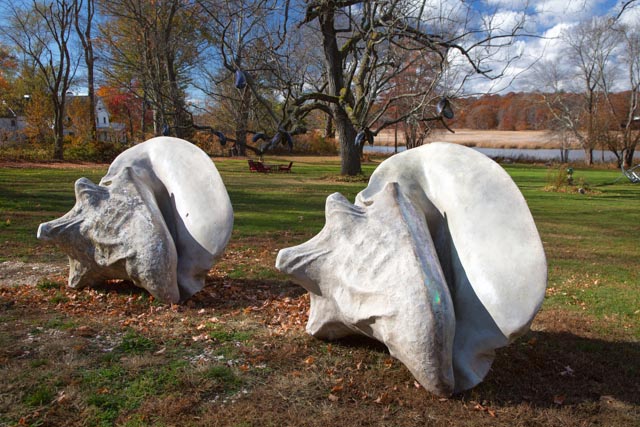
(161, 217)
(439, 258)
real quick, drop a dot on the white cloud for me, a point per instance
(509, 4)
(549, 46)
(553, 12)
(547, 19)
(503, 22)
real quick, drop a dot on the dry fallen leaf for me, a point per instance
(333, 397)
(337, 388)
(61, 397)
(383, 399)
(309, 360)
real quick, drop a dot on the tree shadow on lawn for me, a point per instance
(552, 369)
(543, 369)
(546, 369)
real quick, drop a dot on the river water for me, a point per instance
(519, 153)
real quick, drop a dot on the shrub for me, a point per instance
(94, 151)
(312, 143)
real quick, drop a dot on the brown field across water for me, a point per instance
(482, 138)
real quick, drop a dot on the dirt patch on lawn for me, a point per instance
(14, 273)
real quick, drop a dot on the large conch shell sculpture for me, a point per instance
(439, 258)
(161, 217)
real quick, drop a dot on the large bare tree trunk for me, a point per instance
(349, 153)
(242, 122)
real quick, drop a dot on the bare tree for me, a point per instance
(234, 34)
(83, 21)
(251, 46)
(367, 43)
(576, 88)
(627, 119)
(42, 33)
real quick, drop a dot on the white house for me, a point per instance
(11, 125)
(105, 128)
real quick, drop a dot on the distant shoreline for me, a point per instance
(484, 138)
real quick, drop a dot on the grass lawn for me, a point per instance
(237, 355)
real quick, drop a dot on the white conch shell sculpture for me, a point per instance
(161, 217)
(439, 259)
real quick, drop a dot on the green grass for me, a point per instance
(591, 240)
(135, 343)
(113, 389)
(41, 395)
(152, 374)
(29, 197)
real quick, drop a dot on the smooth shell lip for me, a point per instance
(490, 227)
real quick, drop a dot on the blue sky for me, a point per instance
(546, 18)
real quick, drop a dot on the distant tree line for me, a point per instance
(528, 111)
(513, 111)
(256, 73)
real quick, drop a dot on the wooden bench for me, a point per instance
(257, 166)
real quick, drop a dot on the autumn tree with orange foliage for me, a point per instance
(79, 121)
(39, 115)
(11, 101)
(125, 107)
(7, 65)
(510, 112)
(149, 49)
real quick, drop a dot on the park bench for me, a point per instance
(285, 168)
(255, 166)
